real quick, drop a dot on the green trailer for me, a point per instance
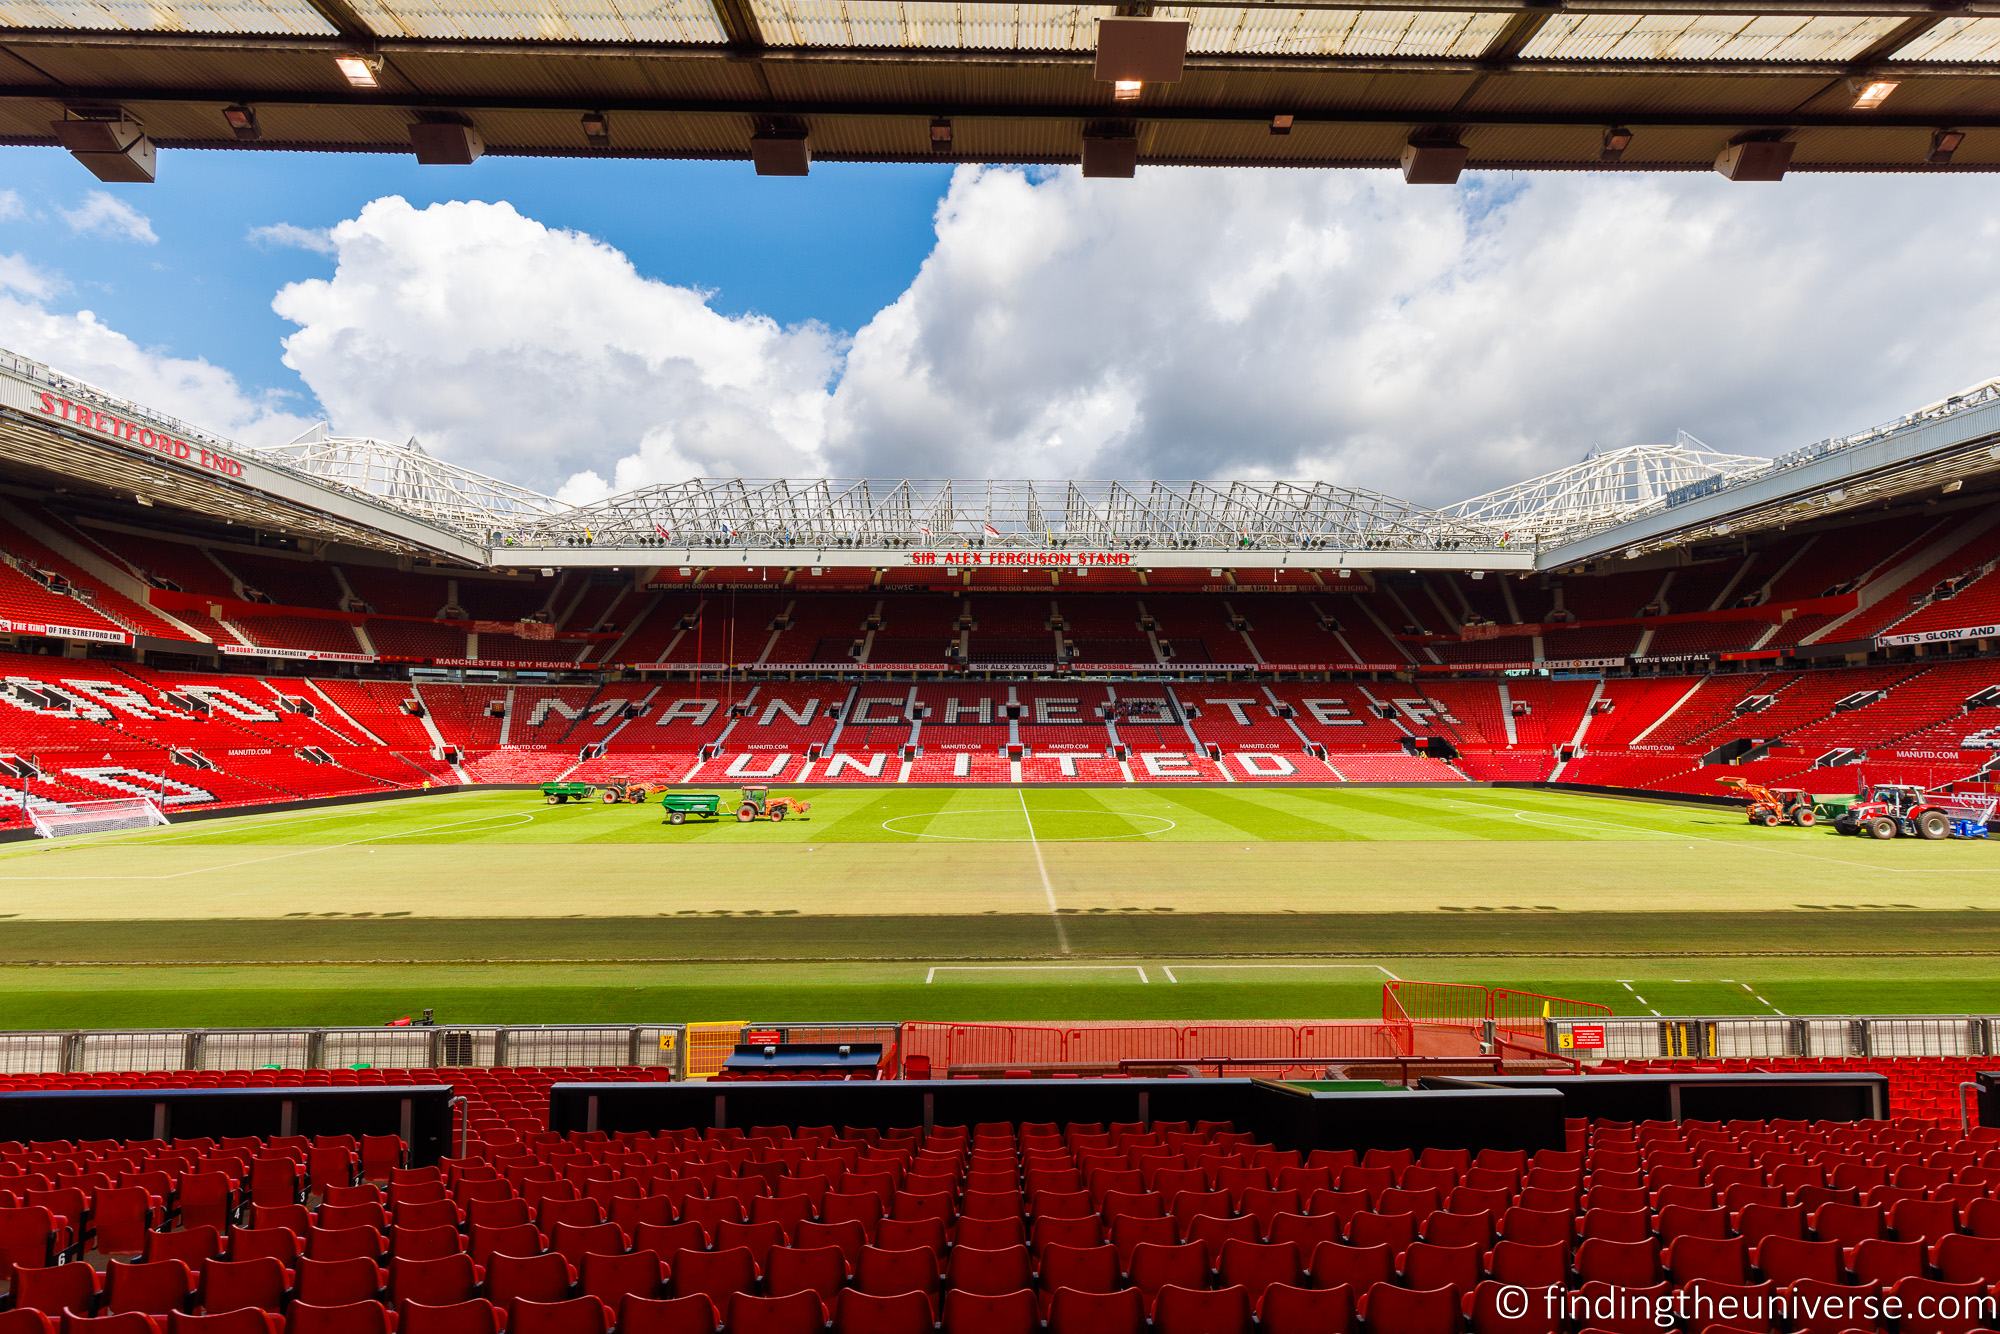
(557, 794)
(680, 805)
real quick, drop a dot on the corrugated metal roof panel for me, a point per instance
(1273, 30)
(1705, 37)
(932, 24)
(1243, 30)
(546, 20)
(1956, 40)
(81, 68)
(293, 17)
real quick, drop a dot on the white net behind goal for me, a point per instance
(95, 817)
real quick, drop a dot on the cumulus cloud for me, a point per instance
(1429, 343)
(79, 344)
(11, 206)
(1426, 342)
(545, 357)
(20, 276)
(104, 214)
(291, 236)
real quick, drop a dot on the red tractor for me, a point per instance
(1773, 806)
(1889, 810)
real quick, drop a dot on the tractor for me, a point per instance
(1889, 810)
(758, 803)
(1773, 806)
(626, 790)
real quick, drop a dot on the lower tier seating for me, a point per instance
(998, 1228)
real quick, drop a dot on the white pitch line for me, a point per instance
(930, 976)
(1260, 967)
(1048, 890)
(515, 820)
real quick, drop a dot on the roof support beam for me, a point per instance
(1513, 39)
(343, 19)
(818, 56)
(736, 18)
(473, 103)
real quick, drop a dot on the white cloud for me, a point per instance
(79, 344)
(11, 206)
(20, 276)
(104, 214)
(545, 357)
(1430, 343)
(291, 236)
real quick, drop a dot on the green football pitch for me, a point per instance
(985, 903)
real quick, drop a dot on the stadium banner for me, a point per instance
(1022, 560)
(153, 438)
(295, 654)
(1951, 636)
(1664, 659)
(515, 664)
(90, 633)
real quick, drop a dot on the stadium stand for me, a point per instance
(1000, 1227)
(1660, 678)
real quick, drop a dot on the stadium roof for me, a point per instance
(398, 497)
(1842, 84)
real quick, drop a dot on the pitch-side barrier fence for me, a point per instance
(1431, 1023)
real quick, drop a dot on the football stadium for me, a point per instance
(979, 904)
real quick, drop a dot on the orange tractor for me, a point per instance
(1773, 806)
(758, 803)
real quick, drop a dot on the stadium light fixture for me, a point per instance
(446, 143)
(1870, 94)
(1127, 90)
(359, 70)
(1764, 156)
(242, 121)
(941, 135)
(781, 147)
(1110, 152)
(1433, 159)
(1953, 487)
(1131, 49)
(596, 129)
(1943, 144)
(1616, 140)
(1281, 123)
(111, 145)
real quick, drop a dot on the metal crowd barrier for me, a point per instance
(1778, 1037)
(456, 1046)
(698, 1050)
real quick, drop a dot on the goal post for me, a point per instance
(95, 817)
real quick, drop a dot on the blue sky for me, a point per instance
(833, 247)
(581, 326)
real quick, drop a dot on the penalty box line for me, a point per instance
(1171, 971)
(931, 975)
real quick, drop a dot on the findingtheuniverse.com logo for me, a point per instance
(1697, 1307)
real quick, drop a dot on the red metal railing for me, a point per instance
(944, 1047)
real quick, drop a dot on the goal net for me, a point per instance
(95, 817)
